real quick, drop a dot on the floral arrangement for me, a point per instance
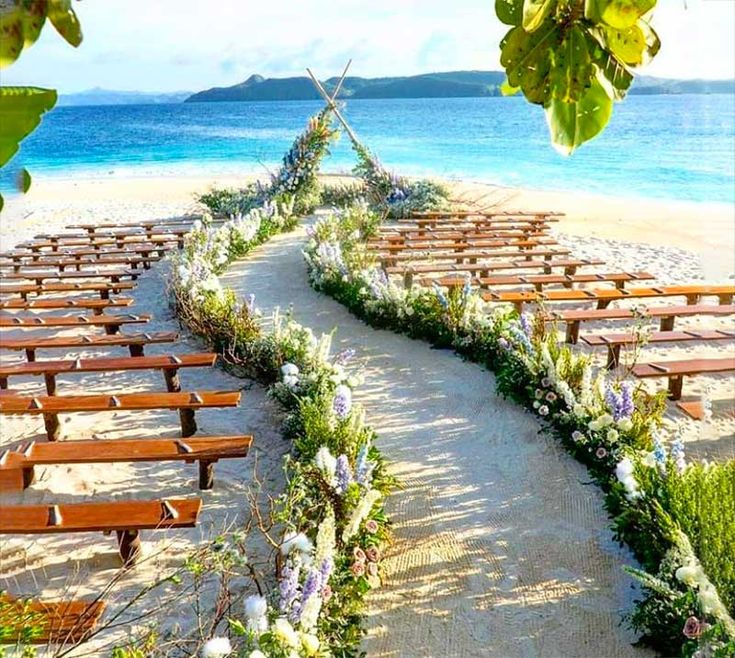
(394, 195)
(678, 517)
(295, 183)
(331, 518)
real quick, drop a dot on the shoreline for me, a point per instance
(706, 229)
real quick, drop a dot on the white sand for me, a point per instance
(502, 546)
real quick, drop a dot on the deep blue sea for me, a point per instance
(676, 147)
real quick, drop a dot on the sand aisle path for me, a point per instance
(501, 544)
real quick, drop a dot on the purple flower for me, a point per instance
(343, 474)
(250, 303)
(365, 467)
(503, 343)
(288, 587)
(525, 324)
(326, 569)
(342, 403)
(627, 407)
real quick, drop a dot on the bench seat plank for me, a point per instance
(472, 256)
(675, 371)
(539, 280)
(40, 276)
(83, 303)
(17, 465)
(104, 288)
(111, 323)
(134, 342)
(56, 622)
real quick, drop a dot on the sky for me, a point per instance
(188, 45)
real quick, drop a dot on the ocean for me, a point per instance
(670, 147)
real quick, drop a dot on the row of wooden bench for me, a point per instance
(72, 621)
(433, 238)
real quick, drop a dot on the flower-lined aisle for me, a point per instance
(678, 517)
(330, 517)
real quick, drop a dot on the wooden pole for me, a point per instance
(331, 104)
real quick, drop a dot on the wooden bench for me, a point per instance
(168, 364)
(483, 269)
(111, 323)
(131, 249)
(695, 409)
(96, 226)
(29, 621)
(666, 314)
(460, 244)
(39, 277)
(134, 342)
(125, 518)
(540, 280)
(104, 289)
(675, 371)
(119, 241)
(78, 263)
(415, 229)
(97, 306)
(614, 342)
(17, 465)
(455, 235)
(484, 214)
(51, 406)
(470, 256)
(603, 297)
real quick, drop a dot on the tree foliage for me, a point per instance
(575, 58)
(21, 108)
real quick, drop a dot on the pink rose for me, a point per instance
(372, 569)
(326, 593)
(372, 553)
(371, 525)
(692, 628)
(358, 569)
(601, 453)
(359, 554)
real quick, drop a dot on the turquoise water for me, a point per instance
(677, 147)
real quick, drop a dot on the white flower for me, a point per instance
(326, 463)
(612, 435)
(689, 575)
(289, 369)
(624, 468)
(625, 424)
(310, 612)
(709, 600)
(256, 608)
(291, 381)
(362, 509)
(296, 541)
(310, 643)
(285, 633)
(605, 420)
(217, 647)
(257, 654)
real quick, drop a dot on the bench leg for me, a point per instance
(188, 422)
(675, 386)
(613, 356)
(53, 427)
(112, 329)
(573, 332)
(104, 294)
(98, 311)
(667, 323)
(3, 383)
(30, 354)
(50, 383)
(135, 350)
(603, 303)
(173, 384)
(206, 474)
(128, 542)
(29, 476)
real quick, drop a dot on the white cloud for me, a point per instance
(188, 44)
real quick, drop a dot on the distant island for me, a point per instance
(452, 84)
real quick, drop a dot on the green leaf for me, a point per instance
(65, 21)
(617, 13)
(507, 89)
(535, 13)
(572, 124)
(20, 26)
(21, 109)
(612, 74)
(509, 12)
(23, 181)
(572, 70)
(2, 203)
(526, 58)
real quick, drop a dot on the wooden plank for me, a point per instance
(58, 622)
(38, 322)
(104, 288)
(684, 367)
(44, 304)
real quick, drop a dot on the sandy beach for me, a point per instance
(697, 243)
